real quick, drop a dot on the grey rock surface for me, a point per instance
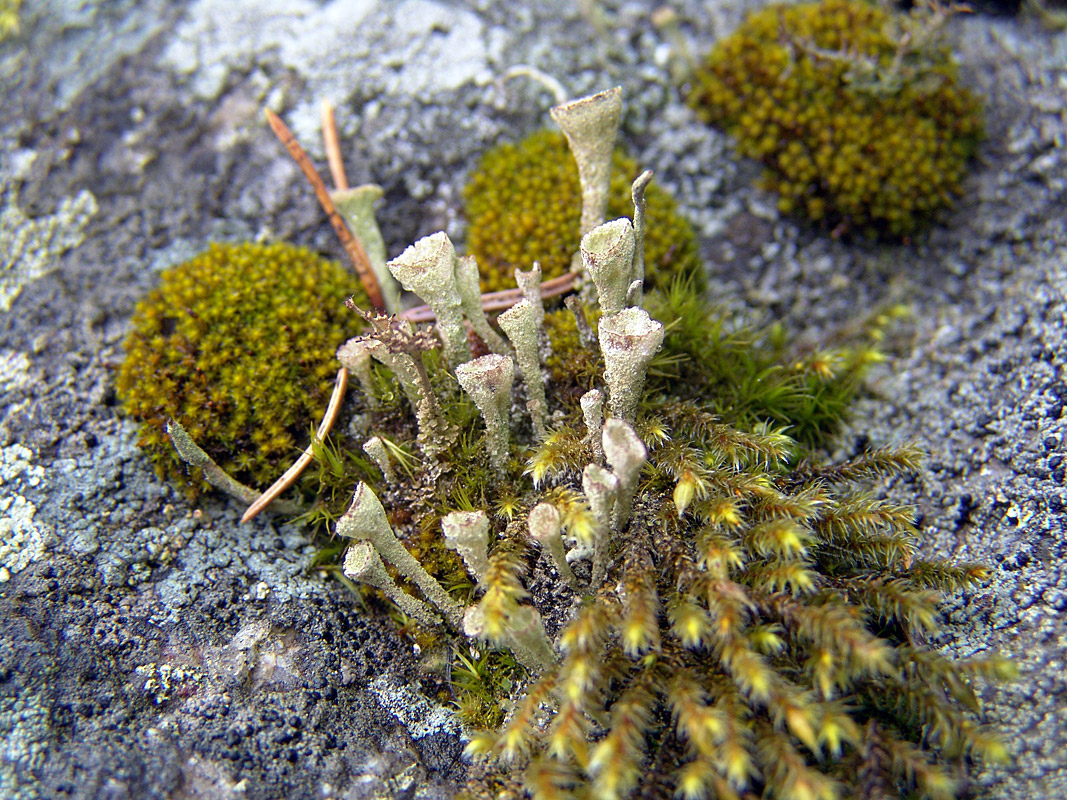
(149, 648)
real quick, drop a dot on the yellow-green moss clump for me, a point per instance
(9, 18)
(524, 205)
(853, 127)
(238, 346)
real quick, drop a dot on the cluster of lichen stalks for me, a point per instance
(734, 624)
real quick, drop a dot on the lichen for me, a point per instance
(30, 248)
(731, 615)
(747, 618)
(22, 541)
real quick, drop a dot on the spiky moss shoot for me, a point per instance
(763, 628)
(748, 373)
(854, 124)
(238, 346)
(762, 623)
(771, 635)
(524, 205)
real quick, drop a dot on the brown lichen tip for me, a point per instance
(294, 472)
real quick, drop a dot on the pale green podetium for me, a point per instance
(626, 455)
(592, 403)
(375, 448)
(524, 635)
(355, 356)
(591, 125)
(520, 324)
(363, 564)
(607, 256)
(544, 523)
(365, 520)
(488, 381)
(628, 341)
(471, 297)
(467, 532)
(428, 268)
(356, 206)
(195, 456)
(601, 488)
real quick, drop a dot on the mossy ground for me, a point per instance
(764, 626)
(853, 130)
(238, 346)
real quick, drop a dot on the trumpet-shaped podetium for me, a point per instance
(356, 206)
(364, 565)
(428, 268)
(523, 203)
(628, 341)
(545, 524)
(608, 258)
(591, 125)
(756, 620)
(520, 324)
(467, 532)
(488, 381)
(365, 520)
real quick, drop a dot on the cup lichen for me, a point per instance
(726, 621)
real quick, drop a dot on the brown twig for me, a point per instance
(499, 301)
(291, 474)
(350, 243)
(333, 147)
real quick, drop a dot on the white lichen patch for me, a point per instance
(22, 541)
(415, 48)
(14, 370)
(161, 682)
(24, 736)
(258, 654)
(30, 248)
(416, 713)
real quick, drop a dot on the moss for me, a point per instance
(749, 620)
(9, 18)
(747, 373)
(850, 133)
(764, 627)
(524, 204)
(238, 345)
(763, 631)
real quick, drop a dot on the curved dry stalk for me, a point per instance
(351, 244)
(332, 145)
(500, 301)
(291, 474)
